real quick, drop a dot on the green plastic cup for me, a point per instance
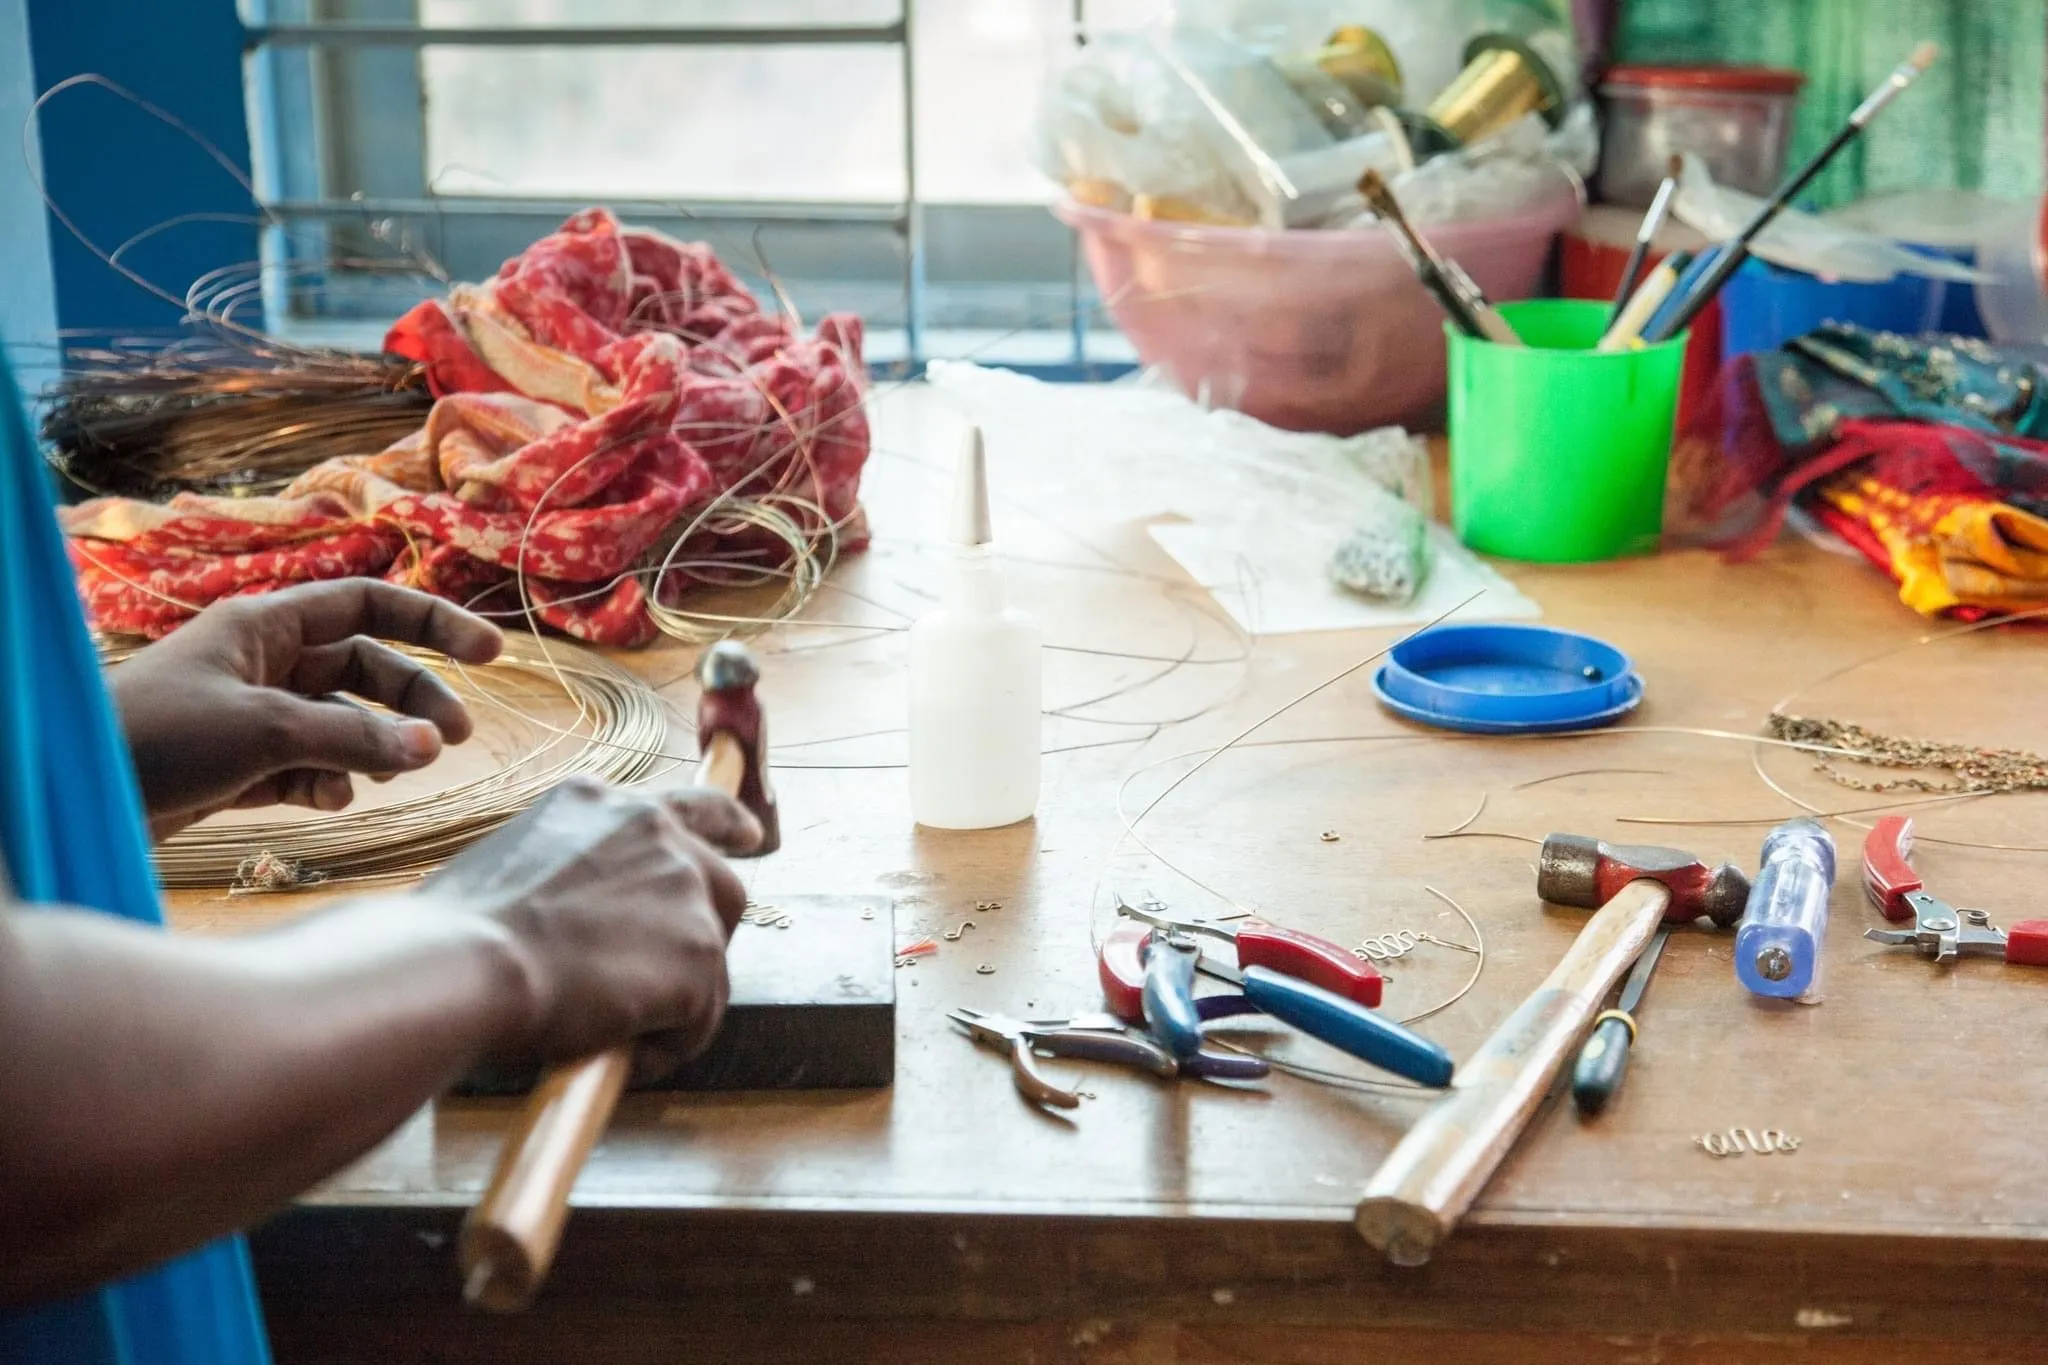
(1559, 452)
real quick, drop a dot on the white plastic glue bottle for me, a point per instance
(976, 680)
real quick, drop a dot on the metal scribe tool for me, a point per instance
(1603, 1061)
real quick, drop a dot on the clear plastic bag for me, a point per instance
(1228, 114)
(1119, 123)
(1827, 247)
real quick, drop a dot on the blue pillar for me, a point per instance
(28, 301)
(115, 171)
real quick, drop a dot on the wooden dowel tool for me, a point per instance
(1435, 1172)
(509, 1240)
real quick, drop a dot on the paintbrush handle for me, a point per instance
(1440, 289)
(1688, 295)
(1643, 305)
(1731, 259)
(1801, 178)
(1632, 273)
(1491, 324)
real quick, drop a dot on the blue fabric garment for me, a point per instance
(72, 831)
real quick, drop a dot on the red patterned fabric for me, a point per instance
(591, 400)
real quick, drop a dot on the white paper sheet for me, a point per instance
(1284, 588)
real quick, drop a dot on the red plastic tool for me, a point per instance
(1121, 968)
(1888, 876)
(1289, 952)
(1165, 998)
(1940, 930)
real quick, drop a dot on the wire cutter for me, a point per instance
(1939, 930)
(1091, 1038)
(1149, 973)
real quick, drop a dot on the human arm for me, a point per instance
(156, 1090)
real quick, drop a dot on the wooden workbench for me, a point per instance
(945, 1220)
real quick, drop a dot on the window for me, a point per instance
(862, 154)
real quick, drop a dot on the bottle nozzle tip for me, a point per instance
(971, 524)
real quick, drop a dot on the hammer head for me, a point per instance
(726, 667)
(1576, 870)
(727, 705)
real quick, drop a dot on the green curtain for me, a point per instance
(1974, 122)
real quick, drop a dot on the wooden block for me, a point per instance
(813, 1006)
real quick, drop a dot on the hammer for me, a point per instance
(510, 1238)
(1438, 1168)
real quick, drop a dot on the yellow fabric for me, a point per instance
(1950, 550)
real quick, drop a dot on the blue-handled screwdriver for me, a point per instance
(1777, 945)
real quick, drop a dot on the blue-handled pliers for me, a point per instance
(1175, 1017)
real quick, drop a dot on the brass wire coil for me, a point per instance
(619, 736)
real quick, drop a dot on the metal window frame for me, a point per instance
(339, 102)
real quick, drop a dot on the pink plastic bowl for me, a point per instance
(1311, 331)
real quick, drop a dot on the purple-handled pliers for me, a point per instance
(1023, 1040)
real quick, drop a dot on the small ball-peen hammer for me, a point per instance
(1435, 1172)
(509, 1240)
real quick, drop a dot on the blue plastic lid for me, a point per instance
(1500, 679)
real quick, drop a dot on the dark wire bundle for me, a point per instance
(230, 418)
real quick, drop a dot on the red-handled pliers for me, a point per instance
(1290, 952)
(1148, 975)
(1939, 930)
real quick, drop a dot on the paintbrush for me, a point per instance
(1453, 288)
(1653, 223)
(1734, 253)
(1644, 303)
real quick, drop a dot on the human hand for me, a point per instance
(237, 708)
(619, 908)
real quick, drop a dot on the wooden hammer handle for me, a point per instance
(510, 1238)
(1438, 1168)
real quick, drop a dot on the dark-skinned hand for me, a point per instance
(616, 902)
(620, 908)
(238, 707)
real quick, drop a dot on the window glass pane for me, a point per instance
(802, 123)
(650, 13)
(579, 13)
(980, 66)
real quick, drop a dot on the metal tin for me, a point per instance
(1504, 78)
(1359, 59)
(1353, 73)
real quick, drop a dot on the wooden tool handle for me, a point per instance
(1432, 1176)
(510, 1238)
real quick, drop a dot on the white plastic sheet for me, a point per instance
(1826, 247)
(1253, 513)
